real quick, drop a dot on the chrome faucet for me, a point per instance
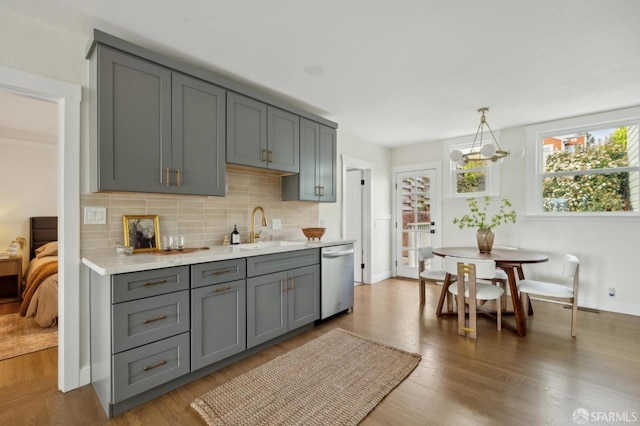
(253, 236)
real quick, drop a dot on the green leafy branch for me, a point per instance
(478, 217)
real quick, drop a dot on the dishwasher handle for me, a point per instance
(331, 254)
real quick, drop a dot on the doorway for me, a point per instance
(353, 186)
(356, 214)
(417, 216)
(68, 98)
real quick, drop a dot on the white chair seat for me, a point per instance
(501, 275)
(483, 291)
(544, 289)
(433, 275)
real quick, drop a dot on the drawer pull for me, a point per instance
(221, 271)
(264, 155)
(154, 282)
(155, 319)
(220, 290)
(178, 176)
(167, 179)
(151, 367)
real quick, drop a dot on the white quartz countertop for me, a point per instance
(112, 263)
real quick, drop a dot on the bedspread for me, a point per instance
(40, 297)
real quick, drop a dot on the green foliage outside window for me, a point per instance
(590, 192)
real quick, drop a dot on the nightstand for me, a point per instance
(10, 279)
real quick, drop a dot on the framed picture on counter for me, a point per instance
(142, 232)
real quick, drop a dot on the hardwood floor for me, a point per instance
(499, 379)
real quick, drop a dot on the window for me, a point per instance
(587, 165)
(474, 179)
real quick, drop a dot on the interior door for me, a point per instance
(354, 219)
(415, 222)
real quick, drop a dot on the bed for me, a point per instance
(40, 294)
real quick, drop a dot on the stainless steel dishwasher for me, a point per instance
(336, 289)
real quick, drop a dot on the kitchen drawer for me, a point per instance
(146, 367)
(204, 274)
(269, 263)
(139, 322)
(136, 285)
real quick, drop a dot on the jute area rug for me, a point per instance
(20, 335)
(336, 379)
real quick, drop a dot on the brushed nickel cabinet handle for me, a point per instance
(264, 155)
(285, 287)
(154, 282)
(178, 177)
(151, 367)
(167, 177)
(220, 290)
(270, 157)
(155, 319)
(293, 283)
(322, 191)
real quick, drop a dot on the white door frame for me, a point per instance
(367, 223)
(68, 97)
(435, 165)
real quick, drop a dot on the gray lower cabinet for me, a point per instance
(152, 331)
(154, 129)
(218, 311)
(259, 135)
(282, 301)
(140, 338)
(318, 153)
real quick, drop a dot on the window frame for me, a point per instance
(492, 185)
(535, 134)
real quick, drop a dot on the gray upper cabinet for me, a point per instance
(133, 123)
(262, 136)
(156, 130)
(198, 137)
(317, 178)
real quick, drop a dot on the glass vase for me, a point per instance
(485, 240)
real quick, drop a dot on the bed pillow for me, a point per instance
(49, 249)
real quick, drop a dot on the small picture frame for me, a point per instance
(142, 232)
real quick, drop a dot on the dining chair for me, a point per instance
(564, 292)
(468, 290)
(434, 276)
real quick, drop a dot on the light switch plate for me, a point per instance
(276, 224)
(95, 215)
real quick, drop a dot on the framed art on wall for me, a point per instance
(142, 232)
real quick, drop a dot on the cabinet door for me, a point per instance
(218, 322)
(198, 137)
(303, 295)
(283, 140)
(327, 164)
(246, 131)
(266, 308)
(134, 123)
(309, 147)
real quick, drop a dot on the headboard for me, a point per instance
(43, 229)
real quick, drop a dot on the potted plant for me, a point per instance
(479, 218)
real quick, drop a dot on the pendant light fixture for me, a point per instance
(479, 151)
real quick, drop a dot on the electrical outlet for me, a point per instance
(276, 224)
(612, 291)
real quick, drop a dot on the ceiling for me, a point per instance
(392, 72)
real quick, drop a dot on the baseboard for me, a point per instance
(85, 375)
(619, 308)
(381, 276)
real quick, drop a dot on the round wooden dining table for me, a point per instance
(509, 260)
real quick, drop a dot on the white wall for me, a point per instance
(607, 247)
(331, 213)
(30, 187)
